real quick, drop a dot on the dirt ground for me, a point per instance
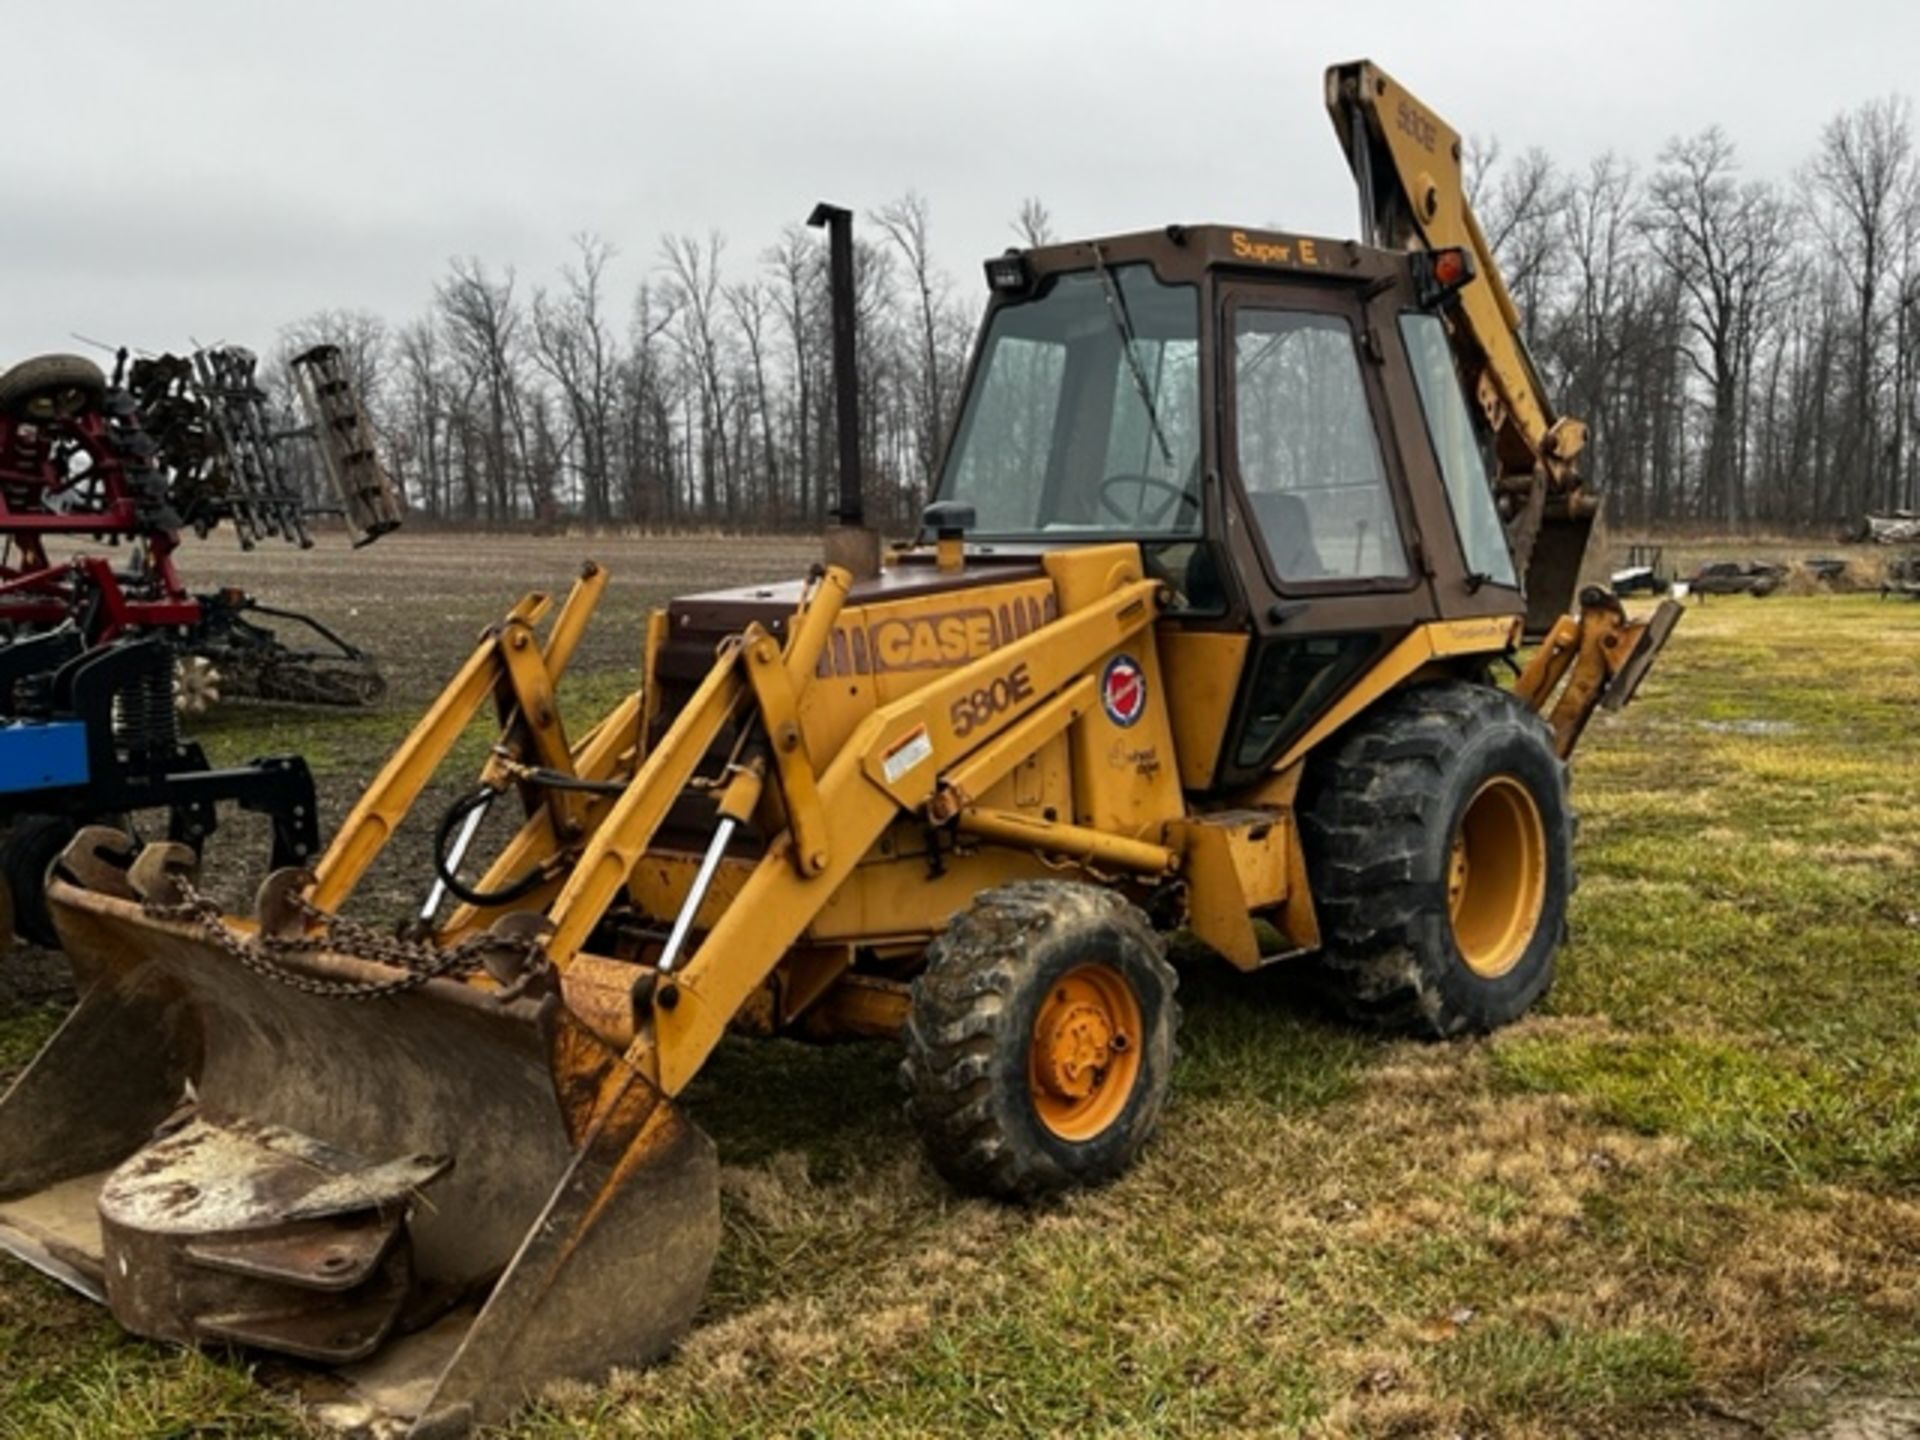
(1679, 1201)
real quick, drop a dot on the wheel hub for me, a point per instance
(1075, 1049)
(1083, 1053)
(196, 685)
(1497, 876)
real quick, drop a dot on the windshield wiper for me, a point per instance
(1123, 327)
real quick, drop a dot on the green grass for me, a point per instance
(342, 742)
(71, 1373)
(1749, 924)
(1514, 1367)
(1683, 1191)
(23, 1030)
(1769, 1111)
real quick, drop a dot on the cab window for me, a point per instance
(1083, 420)
(1307, 449)
(1457, 444)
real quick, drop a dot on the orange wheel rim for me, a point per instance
(1084, 1056)
(1497, 877)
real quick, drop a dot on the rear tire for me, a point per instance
(31, 845)
(1040, 1041)
(1439, 842)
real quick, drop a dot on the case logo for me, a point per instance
(1123, 690)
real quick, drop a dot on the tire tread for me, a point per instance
(959, 1023)
(1365, 824)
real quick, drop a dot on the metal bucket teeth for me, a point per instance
(389, 1182)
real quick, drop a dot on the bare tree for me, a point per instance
(482, 321)
(1722, 241)
(365, 345)
(1033, 223)
(575, 347)
(905, 222)
(1520, 207)
(1597, 237)
(423, 411)
(751, 304)
(1906, 369)
(1861, 182)
(693, 288)
(651, 484)
(796, 262)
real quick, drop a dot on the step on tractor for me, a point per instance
(1236, 539)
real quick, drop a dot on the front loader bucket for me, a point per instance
(390, 1186)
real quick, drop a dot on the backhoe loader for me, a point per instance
(1235, 537)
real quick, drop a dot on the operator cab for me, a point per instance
(1279, 423)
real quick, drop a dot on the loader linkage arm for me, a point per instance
(929, 752)
(1406, 162)
(509, 667)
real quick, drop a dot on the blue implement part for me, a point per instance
(42, 756)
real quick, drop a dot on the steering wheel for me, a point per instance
(1176, 495)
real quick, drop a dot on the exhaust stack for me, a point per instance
(849, 543)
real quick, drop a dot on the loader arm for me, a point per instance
(900, 759)
(1406, 162)
(931, 752)
(530, 721)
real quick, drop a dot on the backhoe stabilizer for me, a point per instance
(1592, 659)
(447, 1199)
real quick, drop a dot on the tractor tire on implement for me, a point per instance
(51, 386)
(1040, 1041)
(1439, 840)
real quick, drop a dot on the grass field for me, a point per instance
(1679, 1201)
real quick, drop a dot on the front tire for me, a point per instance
(1440, 848)
(1040, 1041)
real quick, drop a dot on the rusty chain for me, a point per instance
(264, 955)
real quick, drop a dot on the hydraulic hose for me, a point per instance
(449, 822)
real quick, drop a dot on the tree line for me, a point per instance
(1745, 351)
(705, 398)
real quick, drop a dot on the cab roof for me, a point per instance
(1186, 248)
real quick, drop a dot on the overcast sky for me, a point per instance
(216, 168)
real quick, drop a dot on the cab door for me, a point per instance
(1320, 523)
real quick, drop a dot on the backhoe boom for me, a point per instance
(1406, 162)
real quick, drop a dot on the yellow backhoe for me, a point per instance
(1234, 537)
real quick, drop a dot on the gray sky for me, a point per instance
(215, 168)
